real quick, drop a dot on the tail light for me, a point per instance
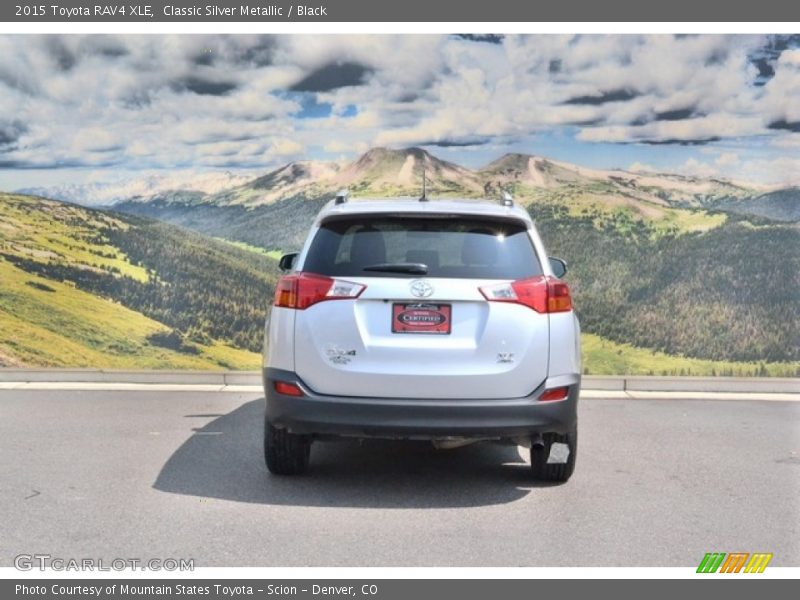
(288, 389)
(542, 294)
(559, 393)
(301, 290)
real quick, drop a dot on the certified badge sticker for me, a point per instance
(421, 318)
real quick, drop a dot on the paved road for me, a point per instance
(180, 474)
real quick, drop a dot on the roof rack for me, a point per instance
(341, 196)
(507, 199)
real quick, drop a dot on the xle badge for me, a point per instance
(338, 356)
(505, 357)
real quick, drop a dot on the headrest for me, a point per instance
(368, 247)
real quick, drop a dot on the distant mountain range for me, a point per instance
(106, 194)
(273, 210)
(662, 261)
(382, 172)
(779, 205)
(698, 269)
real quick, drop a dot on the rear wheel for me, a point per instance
(285, 453)
(555, 460)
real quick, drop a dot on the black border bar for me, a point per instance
(341, 11)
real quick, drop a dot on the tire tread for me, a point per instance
(285, 453)
(560, 472)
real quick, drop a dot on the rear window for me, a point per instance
(450, 247)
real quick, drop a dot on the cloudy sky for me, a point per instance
(90, 108)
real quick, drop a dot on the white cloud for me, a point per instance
(780, 171)
(193, 101)
(727, 159)
(335, 146)
(286, 147)
(790, 141)
(639, 167)
(698, 168)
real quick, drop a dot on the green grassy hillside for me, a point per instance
(678, 292)
(281, 225)
(682, 281)
(45, 323)
(88, 288)
(731, 293)
(605, 357)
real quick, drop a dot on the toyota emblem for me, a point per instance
(421, 288)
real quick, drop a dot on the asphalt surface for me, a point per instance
(127, 474)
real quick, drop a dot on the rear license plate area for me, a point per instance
(421, 317)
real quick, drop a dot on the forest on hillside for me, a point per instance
(726, 294)
(200, 287)
(282, 225)
(731, 293)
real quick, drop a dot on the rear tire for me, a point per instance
(554, 471)
(285, 453)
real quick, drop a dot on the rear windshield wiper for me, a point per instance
(413, 268)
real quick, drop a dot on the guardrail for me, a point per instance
(590, 382)
(137, 376)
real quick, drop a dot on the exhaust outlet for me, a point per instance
(537, 440)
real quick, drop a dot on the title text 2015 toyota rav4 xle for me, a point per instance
(408, 319)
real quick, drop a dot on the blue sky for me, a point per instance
(77, 109)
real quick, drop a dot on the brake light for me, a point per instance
(559, 393)
(301, 290)
(542, 294)
(288, 389)
(558, 298)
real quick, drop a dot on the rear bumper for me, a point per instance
(416, 418)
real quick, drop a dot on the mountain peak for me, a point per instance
(511, 161)
(387, 162)
(388, 171)
(381, 153)
(297, 172)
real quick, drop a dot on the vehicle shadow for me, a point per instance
(225, 460)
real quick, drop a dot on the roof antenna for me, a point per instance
(424, 197)
(507, 199)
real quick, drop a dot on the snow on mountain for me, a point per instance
(104, 193)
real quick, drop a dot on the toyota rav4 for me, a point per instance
(437, 320)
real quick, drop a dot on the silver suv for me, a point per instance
(436, 320)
